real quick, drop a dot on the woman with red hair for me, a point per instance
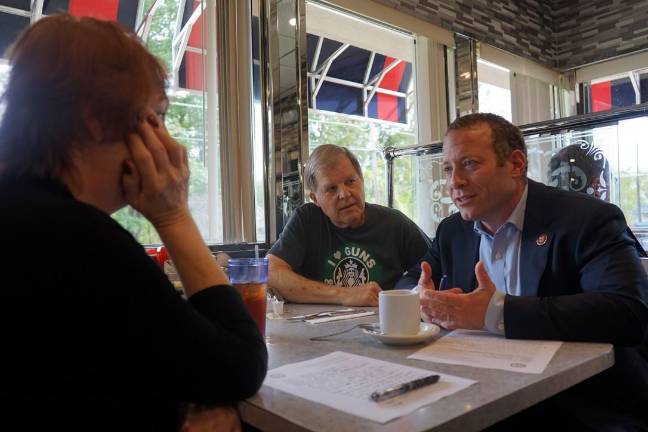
(92, 330)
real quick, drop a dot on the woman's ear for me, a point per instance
(93, 126)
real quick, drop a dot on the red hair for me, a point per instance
(65, 69)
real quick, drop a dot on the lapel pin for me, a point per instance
(542, 239)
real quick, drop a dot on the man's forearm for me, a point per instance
(298, 289)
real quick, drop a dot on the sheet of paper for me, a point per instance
(486, 350)
(344, 381)
(339, 317)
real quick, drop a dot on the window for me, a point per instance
(433, 202)
(258, 132)
(518, 89)
(4, 76)
(643, 86)
(615, 91)
(188, 113)
(361, 93)
(633, 175)
(608, 161)
(612, 84)
(494, 89)
(176, 32)
(184, 35)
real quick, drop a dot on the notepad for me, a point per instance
(346, 381)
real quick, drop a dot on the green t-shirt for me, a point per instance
(381, 250)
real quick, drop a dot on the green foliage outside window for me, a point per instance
(634, 199)
(184, 120)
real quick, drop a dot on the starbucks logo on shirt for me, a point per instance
(351, 265)
(350, 272)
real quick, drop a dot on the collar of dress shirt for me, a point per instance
(516, 218)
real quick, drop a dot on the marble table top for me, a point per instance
(497, 395)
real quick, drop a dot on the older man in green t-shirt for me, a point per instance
(339, 249)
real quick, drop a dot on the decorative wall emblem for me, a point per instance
(436, 203)
(581, 167)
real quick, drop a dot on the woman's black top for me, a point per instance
(93, 331)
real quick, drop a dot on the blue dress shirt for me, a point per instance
(500, 253)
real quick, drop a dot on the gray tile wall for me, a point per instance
(557, 33)
(522, 27)
(586, 31)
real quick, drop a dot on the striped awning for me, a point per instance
(619, 92)
(189, 56)
(124, 11)
(15, 15)
(190, 72)
(347, 79)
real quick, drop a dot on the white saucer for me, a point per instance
(427, 331)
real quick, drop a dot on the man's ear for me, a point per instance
(313, 198)
(518, 163)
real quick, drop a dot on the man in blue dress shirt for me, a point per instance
(532, 262)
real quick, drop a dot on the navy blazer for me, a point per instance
(581, 279)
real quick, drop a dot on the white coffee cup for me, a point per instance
(399, 312)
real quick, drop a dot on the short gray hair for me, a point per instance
(325, 156)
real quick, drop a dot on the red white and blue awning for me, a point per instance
(15, 15)
(619, 92)
(188, 48)
(347, 79)
(124, 11)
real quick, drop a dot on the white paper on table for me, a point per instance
(344, 381)
(339, 317)
(486, 350)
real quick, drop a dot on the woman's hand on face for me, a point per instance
(156, 178)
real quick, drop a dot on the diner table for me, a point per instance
(498, 394)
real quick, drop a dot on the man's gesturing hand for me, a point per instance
(452, 309)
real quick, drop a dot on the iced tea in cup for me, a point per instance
(250, 276)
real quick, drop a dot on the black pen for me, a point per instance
(444, 283)
(391, 392)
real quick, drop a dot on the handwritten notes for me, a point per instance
(344, 381)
